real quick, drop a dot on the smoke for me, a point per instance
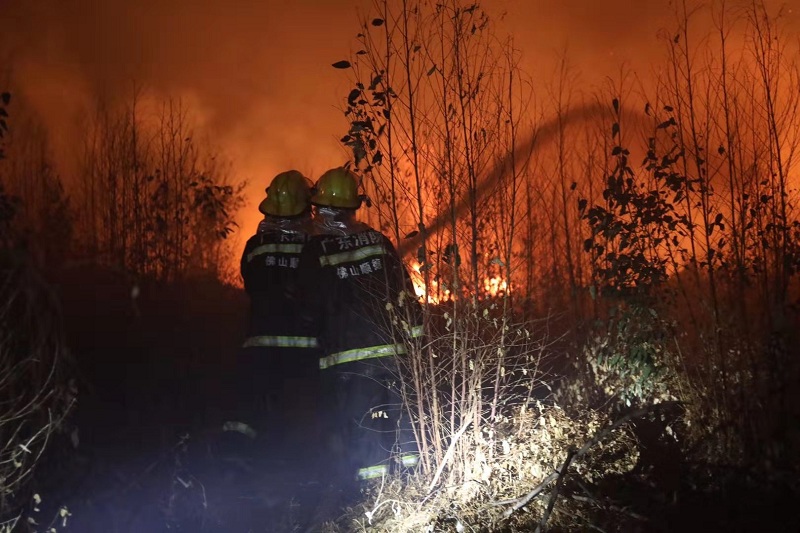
(258, 74)
(542, 135)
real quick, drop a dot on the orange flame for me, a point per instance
(492, 286)
(435, 295)
(495, 285)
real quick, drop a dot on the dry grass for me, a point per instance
(541, 463)
(509, 478)
(34, 397)
(496, 455)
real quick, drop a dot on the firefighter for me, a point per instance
(365, 314)
(278, 362)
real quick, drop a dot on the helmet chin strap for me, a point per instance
(336, 221)
(295, 224)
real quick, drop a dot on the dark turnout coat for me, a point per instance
(360, 297)
(362, 305)
(275, 384)
(270, 267)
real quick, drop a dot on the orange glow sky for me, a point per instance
(258, 74)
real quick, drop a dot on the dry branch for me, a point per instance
(450, 451)
(33, 398)
(562, 474)
(522, 501)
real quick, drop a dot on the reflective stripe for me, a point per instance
(275, 248)
(239, 427)
(361, 353)
(416, 331)
(372, 472)
(355, 255)
(410, 460)
(278, 341)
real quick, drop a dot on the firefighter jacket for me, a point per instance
(270, 268)
(361, 300)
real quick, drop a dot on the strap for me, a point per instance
(359, 354)
(376, 250)
(239, 427)
(372, 472)
(275, 248)
(280, 341)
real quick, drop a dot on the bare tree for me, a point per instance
(153, 200)
(438, 102)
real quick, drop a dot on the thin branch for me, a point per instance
(519, 503)
(562, 475)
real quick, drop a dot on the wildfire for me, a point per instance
(437, 293)
(494, 286)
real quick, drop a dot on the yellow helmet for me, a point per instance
(338, 187)
(287, 195)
